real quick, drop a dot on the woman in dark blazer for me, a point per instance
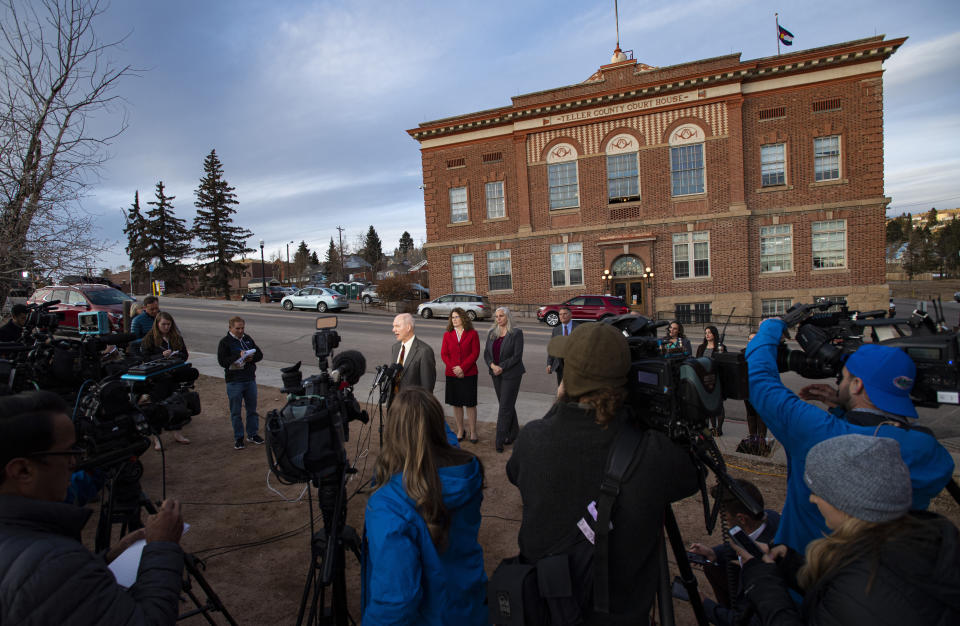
(459, 351)
(503, 355)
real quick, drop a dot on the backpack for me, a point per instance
(574, 577)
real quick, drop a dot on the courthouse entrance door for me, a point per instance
(630, 291)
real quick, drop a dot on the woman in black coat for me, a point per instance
(503, 355)
(882, 562)
(711, 345)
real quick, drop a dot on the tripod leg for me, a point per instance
(213, 600)
(686, 572)
(665, 593)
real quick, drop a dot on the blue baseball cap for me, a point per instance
(887, 374)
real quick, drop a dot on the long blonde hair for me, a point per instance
(855, 539)
(495, 329)
(415, 443)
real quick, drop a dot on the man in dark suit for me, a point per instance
(564, 328)
(416, 357)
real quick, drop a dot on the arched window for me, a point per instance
(687, 174)
(562, 176)
(627, 265)
(623, 172)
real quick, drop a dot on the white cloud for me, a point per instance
(913, 62)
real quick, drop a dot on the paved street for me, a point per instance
(285, 337)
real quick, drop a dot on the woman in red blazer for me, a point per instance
(460, 350)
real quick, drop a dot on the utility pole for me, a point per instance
(288, 262)
(340, 234)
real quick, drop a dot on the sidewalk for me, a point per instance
(530, 405)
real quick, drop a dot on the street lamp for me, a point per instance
(605, 281)
(647, 279)
(263, 276)
(288, 261)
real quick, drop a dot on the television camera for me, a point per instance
(827, 339)
(305, 444)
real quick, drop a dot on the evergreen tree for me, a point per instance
(219, 239)
(137, 246)
(948, 248)
(332, 265)
(167, 239)
(406, 244)
(301, 260)
(372, 248)
(919, 254)
(314, 260)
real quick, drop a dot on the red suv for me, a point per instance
(589, 308)
(76, 299)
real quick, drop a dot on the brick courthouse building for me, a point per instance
(747, 184)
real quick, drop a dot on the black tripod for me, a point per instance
(121, 501)
(328, 554)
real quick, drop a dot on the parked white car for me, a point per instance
(320, 299)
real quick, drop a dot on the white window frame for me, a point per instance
(563, 177)
(623, 183)
(496, 204)
(498, 266)
(773, 165)
(688, 249)
(773, 307)
(826, 158)
(828, 241)
(566, 259)
(776, 248)
(462, 280)
(459, 207)
(688, 166)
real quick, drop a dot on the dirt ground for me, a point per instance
(925, 289)
(256, 545)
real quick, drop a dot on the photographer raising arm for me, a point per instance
(875, 393)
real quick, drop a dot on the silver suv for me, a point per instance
(476, 306)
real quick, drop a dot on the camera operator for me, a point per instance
(46, 575)
(559, 462)
(13, 329)
(874, 393)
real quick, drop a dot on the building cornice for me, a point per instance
(855, 52)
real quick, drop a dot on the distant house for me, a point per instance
(355, 267)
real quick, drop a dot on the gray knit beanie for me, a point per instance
(864, 477)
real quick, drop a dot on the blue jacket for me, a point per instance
(405, 579)
(141, 325)
(799, 426)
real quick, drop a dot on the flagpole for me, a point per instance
(776, 17)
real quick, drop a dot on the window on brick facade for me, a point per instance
(495, 204)
(686, 169)
(499, 270)
(773, 161)
(826, 158)
(693, 313)
(623, 177)
(564, 188)
(776, 248)
(458, 205)
(829, 244)
(492, 157)
(691, 254)
(455, 163)
(775, 306)
(464, 278)
(562, 180)
(566, 264)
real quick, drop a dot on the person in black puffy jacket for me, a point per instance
(882, 563)
(46, 575)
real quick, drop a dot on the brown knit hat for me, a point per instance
(594, 356)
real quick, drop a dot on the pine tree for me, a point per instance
(372, 248)
(167, 239)
(332, 265)
(301, 260)
(406, 244)
(137, 246)
(314, 260)
(219, 239)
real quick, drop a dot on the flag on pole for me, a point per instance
(785, 35)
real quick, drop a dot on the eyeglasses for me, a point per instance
(73, 451)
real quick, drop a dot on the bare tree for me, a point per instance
(55, 74)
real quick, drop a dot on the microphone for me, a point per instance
(349, 365)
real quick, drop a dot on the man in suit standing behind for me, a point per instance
(564, 328)
(416, 357)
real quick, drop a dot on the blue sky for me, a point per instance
(307, 103)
